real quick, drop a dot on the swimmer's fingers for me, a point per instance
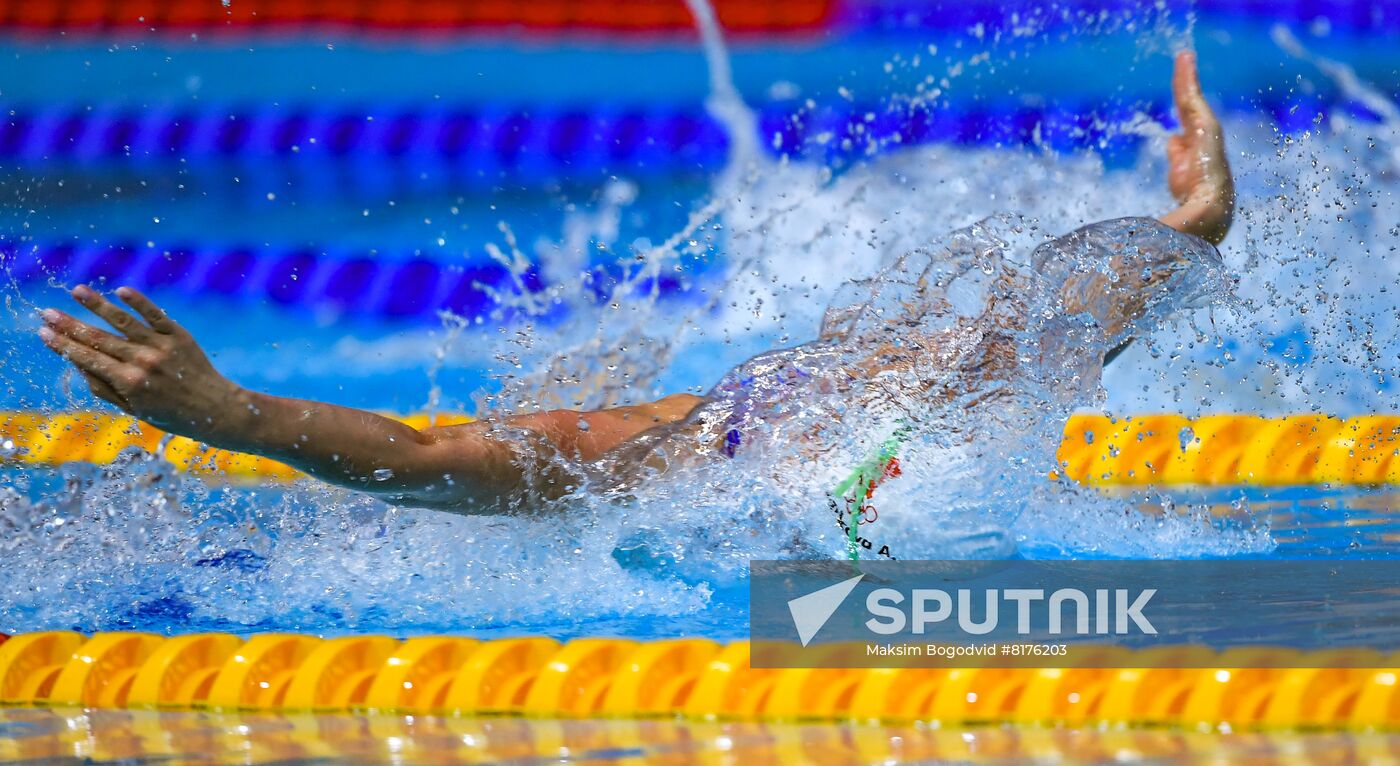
(86, 334)
(1196, 115)
(154, 315)
(123, 321)
(87, 359)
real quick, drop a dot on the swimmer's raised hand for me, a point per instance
(150, 367)
(1198, 173)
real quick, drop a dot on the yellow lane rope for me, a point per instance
(692, 678)
(1096, 449)
(55, 439)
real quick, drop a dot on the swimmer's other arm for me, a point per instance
(1198, 173)
(155, 371)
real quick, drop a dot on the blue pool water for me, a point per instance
(360, 571)
(1310, 326)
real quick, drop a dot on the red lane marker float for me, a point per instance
(610, 16)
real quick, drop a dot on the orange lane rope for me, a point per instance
(695, 678)
(1095, 449)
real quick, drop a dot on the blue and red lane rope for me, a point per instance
(643, 17)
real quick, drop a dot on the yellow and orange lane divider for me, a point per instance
(1215, 450)
(690, 678)
(93, 437)
(1095, 449)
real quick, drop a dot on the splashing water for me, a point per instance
(135, 544)
(974, 348)
(724, 102)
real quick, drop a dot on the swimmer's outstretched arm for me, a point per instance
(155, 371)
(1198, 172)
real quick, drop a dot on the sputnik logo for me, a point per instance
(810, 612)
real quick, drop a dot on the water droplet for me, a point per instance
(1185, 437)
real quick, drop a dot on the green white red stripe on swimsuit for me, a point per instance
(859, 486)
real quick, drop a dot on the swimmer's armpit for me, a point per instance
(1116, 352)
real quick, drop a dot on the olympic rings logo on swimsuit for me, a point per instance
(867, 512)
(859, 488)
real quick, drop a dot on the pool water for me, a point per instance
(64, 736)
(740, 261)
(248, 560)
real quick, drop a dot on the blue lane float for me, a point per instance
(532, 145)
(522, 141)
(526, 140)
(363, 284)
(357, 284)
(883, 17)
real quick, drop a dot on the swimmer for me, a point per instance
(152, 368)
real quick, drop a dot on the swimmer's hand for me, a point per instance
(1198, 173)
(151, 367)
